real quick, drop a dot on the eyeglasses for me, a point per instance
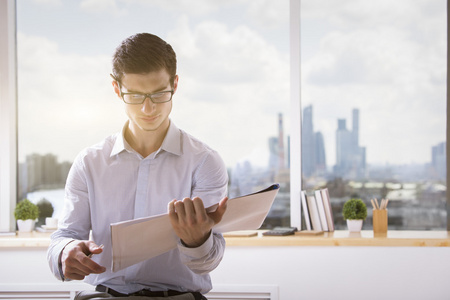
(139, 98)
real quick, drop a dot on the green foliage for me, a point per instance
(25, 210)
(354, 209)
(45, 208)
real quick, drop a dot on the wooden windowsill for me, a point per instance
(344, 238)
(337, 238)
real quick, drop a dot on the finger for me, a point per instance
(217, 215)
(87, 265)
(74, 268)
(172, 213)
(94, 248)
(76, 262)
(180, 209)
(190, 212)
(223, 204)
(200, 209)
(198, 203)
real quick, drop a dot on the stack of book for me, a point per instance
(317, 212)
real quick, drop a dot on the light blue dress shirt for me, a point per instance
(110, 182)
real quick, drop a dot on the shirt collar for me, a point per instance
(171, 143)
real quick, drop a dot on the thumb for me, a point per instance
(217, 215)
(94, 248)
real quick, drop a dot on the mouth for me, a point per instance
(149, 119)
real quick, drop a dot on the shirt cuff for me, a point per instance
(61, 273)
(199, 251)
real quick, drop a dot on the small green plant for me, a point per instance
(354, 209)
(25, 210)
(45, 210)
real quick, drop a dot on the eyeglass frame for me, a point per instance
(172, 91)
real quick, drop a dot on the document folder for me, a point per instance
(141, 239)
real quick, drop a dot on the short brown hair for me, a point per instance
(143, 53)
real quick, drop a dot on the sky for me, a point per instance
(386, 58)
(233, 63)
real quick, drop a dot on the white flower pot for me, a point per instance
(354, 225)
(25, 225)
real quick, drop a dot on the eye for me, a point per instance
(158, 95)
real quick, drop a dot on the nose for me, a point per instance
(147, 105)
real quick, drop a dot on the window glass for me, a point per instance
(374, 106)
(233, 94)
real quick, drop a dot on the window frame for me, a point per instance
(9, 127)
(295, 102)
(448, 121)
(8, 115)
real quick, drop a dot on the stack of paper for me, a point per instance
(137, 240)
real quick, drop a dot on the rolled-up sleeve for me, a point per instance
(210, 184)
(205, 258)
(75, 225)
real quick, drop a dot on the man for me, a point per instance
(151, 167)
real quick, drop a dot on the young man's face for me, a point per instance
(147, 116)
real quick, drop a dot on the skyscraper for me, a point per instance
(281, 161)
(439, 160)
(307, 142)
(350, 157)
(313, 146)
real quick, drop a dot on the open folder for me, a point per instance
(140, 239)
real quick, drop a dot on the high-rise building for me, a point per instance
(281, 161)
(319, 154)
(350, 157)
(273, 153)
(313, 146)
(439, 160)
(308, 160)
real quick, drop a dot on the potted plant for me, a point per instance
(26, 214)
(45, 210)
(355, 212)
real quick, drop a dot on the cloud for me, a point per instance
(234, 81)
(65, 100)
(49, 2)
(268, 13)
(201, 7)
(375, 57)
(102, 6)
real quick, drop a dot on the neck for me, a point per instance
(145, 142)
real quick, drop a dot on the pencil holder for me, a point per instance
(380, 221)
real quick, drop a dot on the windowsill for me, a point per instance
(337, 238)
(366, 238)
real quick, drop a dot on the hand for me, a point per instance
(76, 263)
(191, 222)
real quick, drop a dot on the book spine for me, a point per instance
(328, 208)
(306, 214)
(321, 208)
(314, 213)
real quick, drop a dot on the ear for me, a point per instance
(175, 84)
(116, 88)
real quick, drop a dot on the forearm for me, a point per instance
(203, 259)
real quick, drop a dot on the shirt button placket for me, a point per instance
(141, 202)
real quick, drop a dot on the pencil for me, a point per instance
(373, 204)
(376, 202)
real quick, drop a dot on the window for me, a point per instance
(374, 106)
(233, 94)
(49, 57)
